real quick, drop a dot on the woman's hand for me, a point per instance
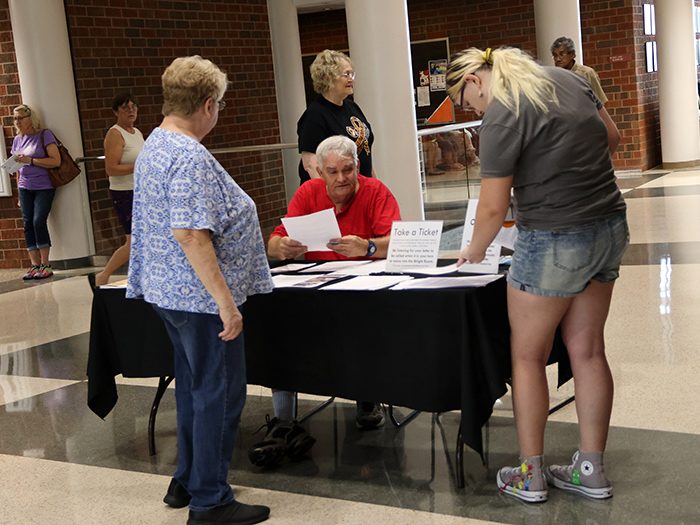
(24, 159)
(471, 255)
(233, 322)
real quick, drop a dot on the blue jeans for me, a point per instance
(36, 205)
(210, 391)
(562, 263)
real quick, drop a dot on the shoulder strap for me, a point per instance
(58, 142)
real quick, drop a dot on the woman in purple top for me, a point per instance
(35, 190)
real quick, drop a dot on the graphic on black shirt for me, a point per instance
(360, 133)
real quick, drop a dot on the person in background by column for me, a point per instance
(123, 143)
(197, 254)
(36, 192)
(333, 113)
(545, 134)
(564, 54)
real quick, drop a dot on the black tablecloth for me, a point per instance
(126, 337)
(432, 350)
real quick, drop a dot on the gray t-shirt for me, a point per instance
(562, 171)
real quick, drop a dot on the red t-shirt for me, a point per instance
(369, 214)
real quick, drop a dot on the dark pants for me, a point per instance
(36, 205)
(210, 391)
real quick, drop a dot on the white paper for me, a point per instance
(423, 96)
(302, 281)
(11, 165)
(313, 230)
(506, 237)
(377, 266)
(318, 280)
(286, 281)
(438, 270)
(493, 252)
(447, 282)
(488, 265)
(293, 267)
(368, 282)
(115, 284)
(334, 266)
(413, 245)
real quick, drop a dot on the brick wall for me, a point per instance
(13, 252)
(125, 45)
(613, 44)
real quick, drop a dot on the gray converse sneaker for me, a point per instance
(586, 475)
(525, 482)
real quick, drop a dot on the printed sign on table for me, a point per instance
(493, 252)
(413, 244)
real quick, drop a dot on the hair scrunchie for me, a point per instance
(487, 56)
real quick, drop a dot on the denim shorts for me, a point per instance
(556, 263)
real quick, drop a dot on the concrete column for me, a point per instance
(678, 96)
(380, 48)
(289, 82)
(555, 18)
(46, 81)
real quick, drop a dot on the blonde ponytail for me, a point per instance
(513, 75)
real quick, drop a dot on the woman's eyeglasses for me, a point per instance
(460, 105)
(348, 76)
(221, 103)
(133, 107)
(17, 119)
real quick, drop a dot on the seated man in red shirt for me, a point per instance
(364, 207)
(365, 210)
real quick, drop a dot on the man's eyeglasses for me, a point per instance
(221, 103)
(348, 76)
(133, 107)
(561, 55)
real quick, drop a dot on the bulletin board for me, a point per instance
(428, 66)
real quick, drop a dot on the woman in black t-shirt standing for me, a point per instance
(332, 113)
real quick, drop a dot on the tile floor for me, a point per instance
(61, 464)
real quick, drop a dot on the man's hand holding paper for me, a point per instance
(313, 231)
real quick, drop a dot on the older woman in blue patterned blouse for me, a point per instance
(197, 252)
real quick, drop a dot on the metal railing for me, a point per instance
(240, 149)
(449, 127)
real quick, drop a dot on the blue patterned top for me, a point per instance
(178, 184)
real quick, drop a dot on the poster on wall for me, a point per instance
(438, 72)
(425, 78)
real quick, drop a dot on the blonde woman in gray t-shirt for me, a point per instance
(123, 143)
(547, 136)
